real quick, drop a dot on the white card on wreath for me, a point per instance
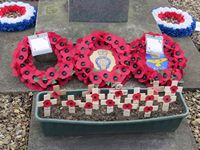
(197, 26)
(39, 44)
(154, 45)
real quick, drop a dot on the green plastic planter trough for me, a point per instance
(55, 127)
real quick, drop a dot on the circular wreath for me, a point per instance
(103, 59)
(145, 74)
(174, 22)
(24, 68)
(17, 16)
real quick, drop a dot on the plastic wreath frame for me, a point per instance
(145, 74)
(23, 67)
(85, 68)
(25, 21)
(184, 26)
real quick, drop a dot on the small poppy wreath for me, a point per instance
(102, 58)
(174, 22)
(17, 16)
(145, 74)
(23, 67)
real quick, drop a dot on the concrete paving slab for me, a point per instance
(8, 42)
(140, 20)
(181, 139)
(53, 16)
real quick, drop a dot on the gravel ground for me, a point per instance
(192, 7)
(15, 112)
(193, 101)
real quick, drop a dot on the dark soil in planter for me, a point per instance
(59, 112)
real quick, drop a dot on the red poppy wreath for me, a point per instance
(163, 70)
(103, 59)
(23, 66)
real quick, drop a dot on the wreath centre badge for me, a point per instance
(103, 60)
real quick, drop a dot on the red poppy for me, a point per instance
(148, 109)
(51, 73)
(105, 75)
(110, 103)
(116, 77)
(173, 89)
(83, 63)
(127, 106)
(167, 99)
(61, 44)
(118, 93)
(136, 96)
(178, 54)
(26, 72)
(47, 103)
(53, 38)
(139, 73)
(149, 98)
(56, 94)
(124, 70)
(88, 105)
(95, 78)
(44, 83)
(172, 51)
(166, 75)
(177, 75)
(71, 103)
(95, 97)
(22, 65)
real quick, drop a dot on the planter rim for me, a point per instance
(87, 122)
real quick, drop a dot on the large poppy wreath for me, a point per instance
(17, 16)
(23, 67)
(102, 58)
(174, 22)
(141, 66)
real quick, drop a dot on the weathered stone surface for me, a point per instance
(98, 10)
(182, 139)
(140, 20)
(53, 17)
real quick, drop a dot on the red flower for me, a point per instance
(178, 54)
(173, 89)
(118, 93)
(167, 99)
(177, 75)
(139, 73)
(47, 103)
(124, 70)
(71, 103)
(83, 63)
(95, 78)
(95, 97)
(61, 44)
(88, 105)
(116, 77)
(53, 37)
(44, 82)
(51, 73)
(136, 96)
(149, 98)
(148, 109)
(128, 106)
(166, 75)
(56, 94)
(64, 72)
(105, 75)
(110, 102)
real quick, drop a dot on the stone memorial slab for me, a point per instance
(98, 10)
